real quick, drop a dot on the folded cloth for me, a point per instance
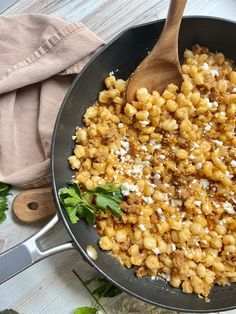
(39, 57)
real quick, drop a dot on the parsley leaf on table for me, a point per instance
(86, 204)
(86, 310)
(4, 191)
(105, 289)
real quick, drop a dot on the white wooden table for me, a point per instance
(50, 286)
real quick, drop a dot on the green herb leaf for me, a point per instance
(86, 310)
(105, 290)
(81, 205)
(108, 197)
(4, 191)
(76, 205)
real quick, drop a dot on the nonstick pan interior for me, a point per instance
(121, 56)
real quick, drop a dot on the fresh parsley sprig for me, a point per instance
(86, 310)
(103, 290)
(4, 192)
(86, 205)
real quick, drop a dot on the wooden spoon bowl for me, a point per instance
(161, 67)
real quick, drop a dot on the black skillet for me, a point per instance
(122, 56)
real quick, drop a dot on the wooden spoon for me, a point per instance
(161, 67)
(34, 205)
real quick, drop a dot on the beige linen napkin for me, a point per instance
(39, 56)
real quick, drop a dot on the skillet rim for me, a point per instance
(52, 167)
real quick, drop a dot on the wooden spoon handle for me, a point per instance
(34, 205)
(169, 36)
(175, 12)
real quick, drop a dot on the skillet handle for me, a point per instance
(29, 252)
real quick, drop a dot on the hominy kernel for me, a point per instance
(181, 154)
(196, 228)
(143, 95)
(130, 111)
(79, 151)
(186, 87)
(175, 281)
(152, 262)
(228, 239)
(105, 243)
(142, 115)
(171, 105)
(134, 249)
(149, 243)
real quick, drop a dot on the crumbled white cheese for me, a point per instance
(142, 227)
(198, 203)
(144, 123)
(198, 165)
(176, 202)
(206, 230)
(162, 157)
(73, 137)
(163, 218)
(157, 176)
(152, 184)
(176, 126)
(153, 277)
(227, 173)
(166, 197)
(228, 207)
(216, 205)
(159, 210)
(148, 200)
(183, 214)
(233, 163)
(120, 125)
(233, 90)
(191, 156)
(195, 145)
(211, 105)
(173, 247)
(137, 170)
(121, 152)
(111, 73)
(127, 188)
(220, 143)
(204, 183)
(125, 144)
(144, 148)
(165, 276)
(124, 147)
(205, 66)
(223, 113)
(157, 146)
(145, 163)
(156, 251)
(215, 104)
(207, 127)
(214, 72)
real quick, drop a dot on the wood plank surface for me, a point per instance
(50, 286)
